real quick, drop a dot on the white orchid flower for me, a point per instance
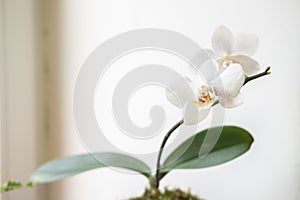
(229, 50)
(196, 98)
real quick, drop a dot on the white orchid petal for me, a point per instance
(180, 91)
(201, 58)
(249, 65)
(222, 41)
(233, 79)
(230, 81)
(220, 66)
(208, 70)
(212, 55)
(193, 115)
(245, 44)
(228, 101)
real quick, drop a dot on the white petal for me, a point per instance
(230, 81)
(208, 71)
(228, 101)
(202, 56)
(193, 115)
(180, 91)
(250, 66)
(220, 66)
(222, 41)
(245, 44)
(211, 54)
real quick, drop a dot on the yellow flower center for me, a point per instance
(225, 61)
(206, 96)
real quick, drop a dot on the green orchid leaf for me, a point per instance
(65, 167)
(233, 142)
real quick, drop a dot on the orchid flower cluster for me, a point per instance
(231, 57)
(230, 67)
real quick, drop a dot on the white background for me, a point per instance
(270, 170)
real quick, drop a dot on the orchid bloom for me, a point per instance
(229, 50)
(196, 98)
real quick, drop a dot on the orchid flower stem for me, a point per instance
(157, 179)
(178, 124)
(250, 78)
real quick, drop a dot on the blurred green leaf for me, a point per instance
(10, 185)
(65, 167)
(233, 142)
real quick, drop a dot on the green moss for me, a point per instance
(175, 194)
(10, 185)
(13, 185)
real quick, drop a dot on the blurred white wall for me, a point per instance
(22, 93)
(270, 170)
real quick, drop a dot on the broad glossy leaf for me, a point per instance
(233, 142)
(65, 167)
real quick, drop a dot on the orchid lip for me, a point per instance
(226, 61)
(206, 96)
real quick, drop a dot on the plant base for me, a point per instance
(174, 194)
